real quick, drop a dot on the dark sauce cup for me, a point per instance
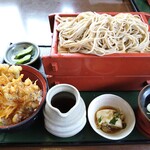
(143, 116)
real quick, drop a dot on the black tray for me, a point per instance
(36, 134)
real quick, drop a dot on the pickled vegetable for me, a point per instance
(25, 59)
(24, 52)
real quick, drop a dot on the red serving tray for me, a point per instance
(90, 72)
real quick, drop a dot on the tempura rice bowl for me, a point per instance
(33, 75)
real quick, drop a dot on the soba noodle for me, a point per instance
(103, 34)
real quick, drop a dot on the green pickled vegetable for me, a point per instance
(25, 59)
(24, 52)
(113, 121)
(100, 119)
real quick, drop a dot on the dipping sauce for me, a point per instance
(147, 106)
(110, 119)
(63, 101)
(147, 100)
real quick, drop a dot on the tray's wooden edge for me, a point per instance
(134, 6)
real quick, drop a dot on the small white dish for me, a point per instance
(15, 48)
(116, 102)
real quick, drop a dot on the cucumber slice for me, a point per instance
(24, 52)
(23, 60)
